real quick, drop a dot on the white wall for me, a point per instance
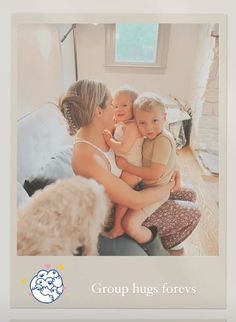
(41, 75)
(67, 56)
(205, 91)
(46, 67)
(177, 79)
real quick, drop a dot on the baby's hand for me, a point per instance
(107, 135)
(121, 163)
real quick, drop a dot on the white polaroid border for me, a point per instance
(124, 320)
(206, 274)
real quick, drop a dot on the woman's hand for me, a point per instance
(176, 177)
(107, 136)
(122, 163)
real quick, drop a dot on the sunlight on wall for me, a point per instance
(39, 72)
(44, 38)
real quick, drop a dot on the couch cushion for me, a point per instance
(58, 167)
(39, 135)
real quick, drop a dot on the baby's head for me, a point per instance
(123, 101)
(150, 114)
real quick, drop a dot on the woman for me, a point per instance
(87, 108)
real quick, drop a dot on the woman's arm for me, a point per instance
(130, 135)
(94, 166)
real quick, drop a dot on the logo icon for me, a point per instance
(47, 286)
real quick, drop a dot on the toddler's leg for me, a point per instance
(148, 237)
(185, 193)
(132, 224)
(120, 211)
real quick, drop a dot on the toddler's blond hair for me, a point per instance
(148, 101)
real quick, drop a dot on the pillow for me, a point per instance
(176, 109)
(58, 167)
(176, 115)
(22, 195)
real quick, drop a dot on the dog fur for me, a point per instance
(62, 217)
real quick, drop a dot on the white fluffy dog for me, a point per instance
(62, 217)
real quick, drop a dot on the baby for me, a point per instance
(126, 142)
(158, 160)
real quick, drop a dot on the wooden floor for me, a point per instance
(204, 240)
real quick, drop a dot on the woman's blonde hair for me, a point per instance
(148, 101)
(79, 103)
(127, 89)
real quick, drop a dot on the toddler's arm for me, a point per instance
(130, 135)
(162, 149)
(153, 172)
(161, 152)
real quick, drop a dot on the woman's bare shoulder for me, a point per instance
(90, 164)
(86, 160)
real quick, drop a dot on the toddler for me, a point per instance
(126, 142)
(158, 160)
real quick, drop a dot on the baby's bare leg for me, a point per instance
(120, 211)
(117, 229)
(132, 224)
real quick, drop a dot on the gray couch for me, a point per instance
(44, 155)
(43, 150)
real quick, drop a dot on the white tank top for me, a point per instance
(134, 155)
(109, 155)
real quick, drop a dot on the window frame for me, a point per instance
(161, 52)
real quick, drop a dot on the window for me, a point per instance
(137, 45)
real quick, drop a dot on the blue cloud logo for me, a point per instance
(47, 286)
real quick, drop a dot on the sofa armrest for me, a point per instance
(40, 134)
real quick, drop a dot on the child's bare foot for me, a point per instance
(114, 233)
